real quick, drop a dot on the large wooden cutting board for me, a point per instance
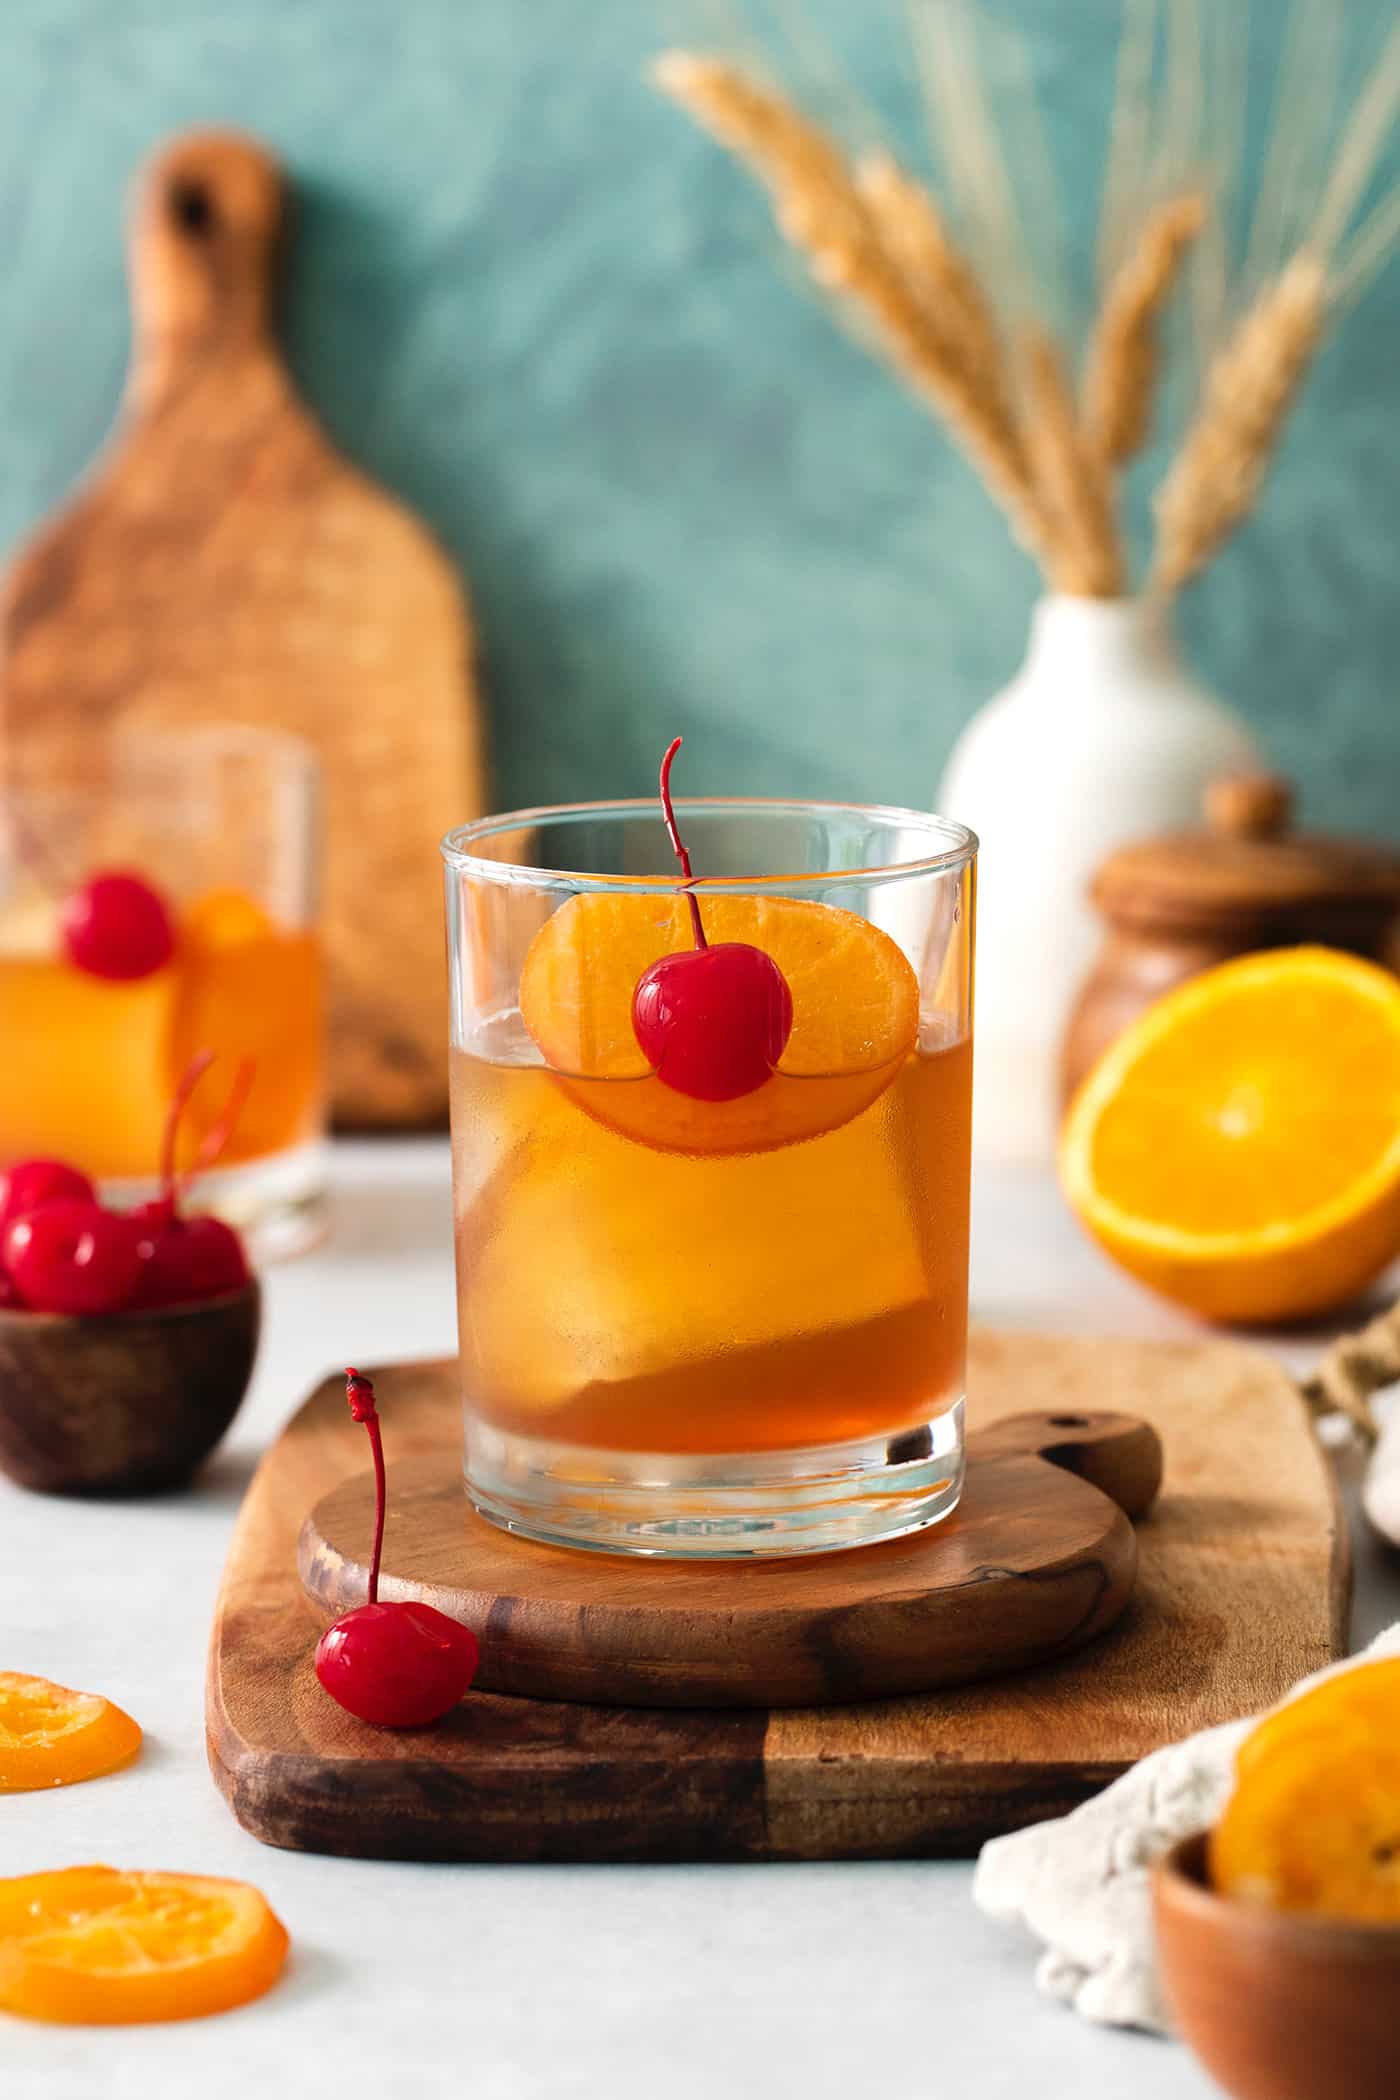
(1242, 1586)
(223, 563)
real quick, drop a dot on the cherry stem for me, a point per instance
(174, 1187)
(359, 1392)
(189, 1079)
(216, 1138)
(682, 856)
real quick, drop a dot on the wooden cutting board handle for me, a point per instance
(1120, 1455)
(206, 235)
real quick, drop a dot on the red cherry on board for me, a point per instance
(31, 1183)
(712, 1021)
(73, 1257)
(116, 926)
(399, 1664)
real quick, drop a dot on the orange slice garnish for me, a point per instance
(249, 988)
(225, 918)
(1314, 1821)
(855, 1015)
(1364, 1698)
(51, 1736)
(1238, 1146)
(94, 1946)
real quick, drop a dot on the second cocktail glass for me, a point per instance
(213, 838)
(698, 1326)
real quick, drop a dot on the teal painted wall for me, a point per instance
(526, 295)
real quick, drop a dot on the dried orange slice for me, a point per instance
(96, 1946)
(1362, 1700)
(1238, 1147)
(1314, 1821)
(51, 1736)
(855, 1015)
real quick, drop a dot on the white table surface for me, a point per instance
(671, 1983)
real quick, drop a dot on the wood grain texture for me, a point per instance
(223, 563)
(1276, 2004)
(1034, 1562)
(130, 1404)
(1242, 1585)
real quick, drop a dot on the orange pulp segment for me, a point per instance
(855, 1015)
(1238, 1147)
(100, 1947)
(51, 1736)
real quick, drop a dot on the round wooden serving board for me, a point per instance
(1038, 1558)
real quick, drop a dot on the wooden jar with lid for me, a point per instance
(1177, 904)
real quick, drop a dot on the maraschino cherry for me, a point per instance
(33, 1182)
(72, 1256)
(183, 1259)
(713, 1021)
(116, 926)
(398, 1665)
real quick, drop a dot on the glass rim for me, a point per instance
(456, 846)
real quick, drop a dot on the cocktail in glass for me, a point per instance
(712, 1326)
(157, 899)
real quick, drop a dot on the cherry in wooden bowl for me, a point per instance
(128, 1403)
(1277, 2005)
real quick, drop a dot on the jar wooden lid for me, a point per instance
(1244, 865)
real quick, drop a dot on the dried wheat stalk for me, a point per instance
(1121, 370)
(912, 230)
(1087, 557)
(925, 331)
(1249, 388)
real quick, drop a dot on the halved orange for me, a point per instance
(855, 1015)
(1238, 1147)
(51, 1736)
(100, 1947)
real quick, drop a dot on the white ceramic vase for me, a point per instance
(1103, 736)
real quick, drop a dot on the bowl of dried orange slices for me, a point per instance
(1278, 1932)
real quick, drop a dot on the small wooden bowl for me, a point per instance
(1276, 2006)
(130, 1404)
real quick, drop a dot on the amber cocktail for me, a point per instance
(696, 1325)
(157, 900)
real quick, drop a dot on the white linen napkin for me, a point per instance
(1081, 1883)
